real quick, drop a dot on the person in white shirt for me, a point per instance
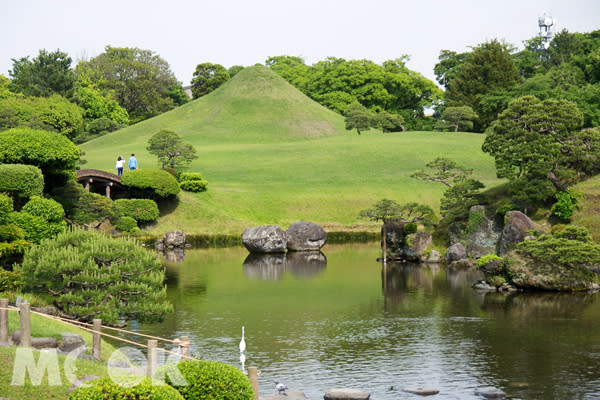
(120, 163)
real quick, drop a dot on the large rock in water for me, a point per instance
(416, 245)
(346, 394)
(305, 236)
(265, 239)
(484, 233)
(515, 230)
(455, 252)
(173, 239)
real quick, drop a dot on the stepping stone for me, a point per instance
(421, 391)
(490, 392)
(346, 394)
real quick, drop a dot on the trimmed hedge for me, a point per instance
(6, 206)
(92, 207)
(126, 224)
(141, 210)
(36, 147)
(190, 176)
(150, 183)
(48, 209)
(11, 232)
(106, 389)
(36, 228)
(194, 185)
(21, 180)
(210, 380)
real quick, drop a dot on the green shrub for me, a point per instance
(194, 185)
(93, 207)
(90, 275)
(103, 125)
(482, 261)
(9, 280)
(190, 176)
(503, 209)
(141, 210)
(126, 224)
(150, 183)
(21, 180)
(106, 389)
(6, 206)
(48, 209)
(36, 228)
(410, 228)
(12, 252)
(211, 380)
(10, 233)
(564, 206)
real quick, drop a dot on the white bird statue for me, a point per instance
(242, 342)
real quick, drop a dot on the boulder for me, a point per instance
(346, 394)
(70, 342)
(174, 239)
(421, 391)
(305, 236)
(417, 245)
(463, 263)
(483, 233)
(455, 252)
(515, 230)
(394, 237)
(434, 257)
(490, 392)
(265, 239)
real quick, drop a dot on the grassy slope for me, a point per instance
(273, 156)
(589, 207)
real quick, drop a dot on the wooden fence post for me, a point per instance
(185, 344)
(253, 376)
(97, 339)
(4, 321)
(151, 357)
(25, 324)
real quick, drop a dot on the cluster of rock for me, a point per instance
(300, 236)
(171, 240)
(408, 247)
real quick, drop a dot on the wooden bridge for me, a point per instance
(97, 177)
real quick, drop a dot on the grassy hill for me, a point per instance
(273, 156)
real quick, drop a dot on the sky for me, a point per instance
(186, 33)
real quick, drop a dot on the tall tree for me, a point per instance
(170, 149)
(537, 142)
(443, 170)
(490, 67)
(140, 80)
(47, 74)
(448, 66)
(207, 78)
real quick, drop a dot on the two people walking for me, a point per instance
(132, 164)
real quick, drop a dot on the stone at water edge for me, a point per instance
(490, 392)
(421, 391)
(455, 252)
(173, 239)
(305, 236)
(70, 342)
(346, 394)
(265, 239)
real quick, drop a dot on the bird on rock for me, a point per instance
(281, 388)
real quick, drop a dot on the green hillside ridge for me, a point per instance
(273, 156)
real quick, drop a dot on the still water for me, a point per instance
(339, 320)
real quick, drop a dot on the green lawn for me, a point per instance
(273, 156)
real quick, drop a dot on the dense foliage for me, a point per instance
(107, 389)
(95, 105)
(336, 83)
(537, 146)
(171, 150)
(141, 81)
(36, 228)
(141, 210)
(207, 77)
(54, 113)
(126, 224)
(389, 210)
(48, 209)
(150, 183)
(457, 118)
(192, 182)
(90, 275)
(90, 207)
(47, 74)
(210, 380)
(6, 206)
(21, 180)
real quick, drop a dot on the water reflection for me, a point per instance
(355, 324)
(272, 267)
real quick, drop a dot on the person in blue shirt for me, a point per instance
(132, 162)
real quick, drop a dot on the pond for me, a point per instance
(340, 320)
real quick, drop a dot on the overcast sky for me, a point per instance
(245, 32)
